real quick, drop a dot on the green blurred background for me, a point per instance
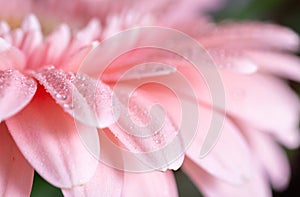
(285, 12)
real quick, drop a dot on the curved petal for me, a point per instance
(233, 61)
(16, 174)
(280, 64)
(11, 57)
(146, 130)
(16, 91)
(251, 35)
(273, 159)
(265, 103)
(106, 181)
(49, 140)
(56, 44)
(229, 159)
(88, 100)
(211, 186)
(149, 184)
(32, 37)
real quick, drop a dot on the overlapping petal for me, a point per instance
(49, 140)
(16, 174)
(16, 91)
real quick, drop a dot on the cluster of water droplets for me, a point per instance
(57, 85)
(14, 79)
(85, 98)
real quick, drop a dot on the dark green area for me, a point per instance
(43, 188)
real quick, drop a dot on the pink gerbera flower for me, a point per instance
(47, 107)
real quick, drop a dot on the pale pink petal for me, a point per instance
(4, 28)
(106, 181)
(149, 184)
(212, 187)
(86, 99)
(251, 35)
(56, 44)
(32, 37)
(49, 140)
(229, 159)
(148, 131)
(233, 60)
(11, 57)
(265, 103)
(73, 61)
(280, 64)
(271, 156)
(16, 91)
(16, 174)
(16, 38)
(87, 35)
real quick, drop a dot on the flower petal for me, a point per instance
(229, 159)
(49, 140)
(211, 186)
(11, 57)
(106, 181)
(265, 103)
(280, 64)
(32, 37)
(271, 156)
(16, 91)
(86, 99)
(149, 184)
(233, 61)
(16, 174)
(251, 35)
(146, 131)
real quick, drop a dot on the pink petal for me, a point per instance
(280, 64)
(49, 140)
(233, 61)
(16, 174)
(146, 131)
(251, 35)
(87, 35)
(4, 28)
(271, 156)
(229, 159)
(211, 186)
(106, 181)
(149, 184)
(16, 91)
(86, 99)
(56, 44)
(11, 57)
(264, 102)
(73, 61)
(32, 37)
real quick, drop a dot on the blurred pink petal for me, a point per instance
(16, 91)
(280, 64)
(230, 159)
(16, 174)
(210, 186)
(11, 57)
(149, 184)
(251, 35)
(271, 156)
(106, 181)
(244, 92)
(59, 155)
